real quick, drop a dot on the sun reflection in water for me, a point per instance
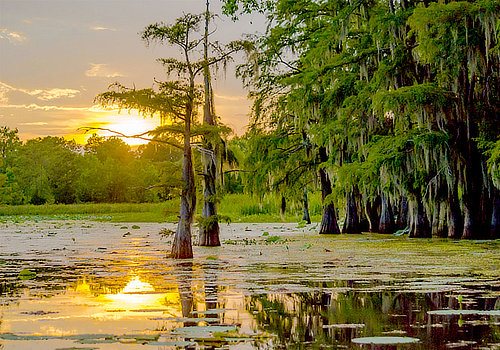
(136, 296)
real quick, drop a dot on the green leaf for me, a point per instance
(27, 274)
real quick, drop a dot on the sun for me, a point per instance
(129, 125)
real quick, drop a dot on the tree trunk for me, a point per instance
(419, 224)
(182, 247)
(351, 223)
(386, 222)
(372, 212)
(283, 205)
(470, 222)
(329, 220)
(486, 210)
(209, 228)
(402, 220)
(439, 220)
(495, 217)
(305, 202)
(455, 221)
(473, 167)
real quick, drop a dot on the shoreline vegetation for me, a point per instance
(236, 207)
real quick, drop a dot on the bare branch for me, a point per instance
(86, 129)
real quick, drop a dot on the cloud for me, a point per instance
(34, 19)
(231, 98)
(34, 106)
(51, 94)
(101, 70)
(103, 28)
(41, 94)
(34, 123)
(15, 38)
(3, 94)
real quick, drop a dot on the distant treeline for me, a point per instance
(105, 170)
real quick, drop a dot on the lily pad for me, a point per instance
(73, 348)
(27, 274)
(446, 312)
(202, 331)
(209, 312)
(173, 343)
(344, 325)
(385, 340)
(273, 239)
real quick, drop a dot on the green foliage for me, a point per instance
(9, 141)
(52, 170)
(396, 92)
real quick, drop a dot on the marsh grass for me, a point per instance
(129, 212)
(238, 207)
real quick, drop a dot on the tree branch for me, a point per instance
(138, 136)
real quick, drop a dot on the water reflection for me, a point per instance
(111, 291)
(312, 320)
(157, 307)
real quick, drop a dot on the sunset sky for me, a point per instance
(57, 55)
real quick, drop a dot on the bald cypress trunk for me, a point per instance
(182, 246)
(351, 223)
(419, 223)
(283, 205)
(329, 220)
(386, 222)
(402, 219)
(495, 217)
(305, 203)
(372, 208)
(439, 220)
(209, 230)
(455, 221)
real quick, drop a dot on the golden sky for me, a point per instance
(57, 55)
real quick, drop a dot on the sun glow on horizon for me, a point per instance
(128, 124)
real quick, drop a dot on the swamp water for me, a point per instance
(89, 285)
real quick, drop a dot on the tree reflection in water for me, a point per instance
(184, 278)
(206, 310)
(325, 318)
